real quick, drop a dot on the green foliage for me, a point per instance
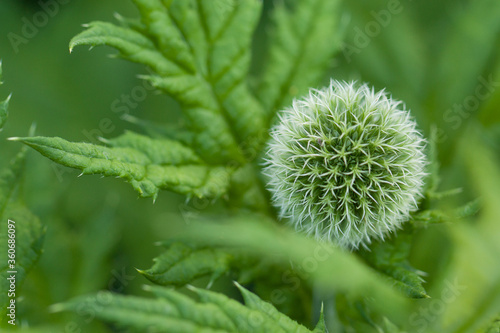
(301, 48)
(392, 259)
(182, 263)
(494, 327)
(315, 261)
(28, 231)
(358, 317)
(479, 285)
(20, 231)
(171, 311)
(199, 53)
(185, 261)
(148, 165)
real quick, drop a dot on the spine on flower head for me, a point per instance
(346, 164)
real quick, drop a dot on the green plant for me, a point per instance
(21, 239)
(200, 53)
(346, 164)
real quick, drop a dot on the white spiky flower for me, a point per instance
(346, 164)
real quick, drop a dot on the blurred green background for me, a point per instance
(98, 231)
(434, 55)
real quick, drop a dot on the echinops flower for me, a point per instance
(346, 164)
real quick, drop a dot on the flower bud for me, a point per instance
(346, 164)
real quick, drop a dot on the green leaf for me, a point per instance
(175, 312)
(356, 315)
(20, 230)
(390, 257)
(302, 44)
(161, 131)
(182, 263)
(318, 263)
(245, 241)
(148, 165)
(390, 327)
(28, 233)
(494, 326)
(427, 217)
(159, 151)
(253, 302)
(199, 52)
(321, 326)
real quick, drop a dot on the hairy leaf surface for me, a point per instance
(317, 262)
(199, 52)
(182, 263)
(148, 165)
(172, 311)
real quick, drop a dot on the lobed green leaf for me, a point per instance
(175, 312)
(199, 53)
(147, 164)
(185, 262)
(317, 262)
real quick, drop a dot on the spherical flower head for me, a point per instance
(346, 164)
